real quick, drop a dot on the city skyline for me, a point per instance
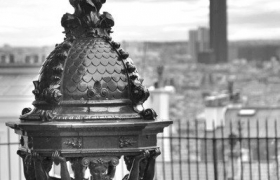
(37, 23)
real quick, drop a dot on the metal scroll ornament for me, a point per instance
(74, 143)
(86, 106)
(87, 61)
(126, 142)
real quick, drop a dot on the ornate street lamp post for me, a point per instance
(86, 106)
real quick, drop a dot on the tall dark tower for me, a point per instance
(218, 30)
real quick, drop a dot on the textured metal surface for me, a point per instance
(94, 72)
(86, 100)
(78, 139)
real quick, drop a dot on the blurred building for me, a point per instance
(262, 50)
(198, 42)
(23, 56)
(15, 94)
(218, 30)
(19, 66)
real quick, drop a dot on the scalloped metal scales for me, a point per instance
(95, 79)
(85, 100)
(93, 72)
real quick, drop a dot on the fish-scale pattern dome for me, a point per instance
(94, 71)
(88, 77)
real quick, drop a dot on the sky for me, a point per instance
(37, 22)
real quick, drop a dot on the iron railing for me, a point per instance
(6, 150)
(235, 150)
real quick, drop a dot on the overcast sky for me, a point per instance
(37, 22)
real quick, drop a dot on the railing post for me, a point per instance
(215, 161)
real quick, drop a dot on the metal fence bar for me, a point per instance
(240, 147)
(276, 148)
(205, 143)
(231, 140)
(223, 154)
(267, 150)
(9, 143)
(250, 150)
(215, 160)
(19, 163)
(196, 151)
(163, 158)
(258, 149)
(180, 150)
(188, 141)
(209, 138)
(9, 154)
(171, 153)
